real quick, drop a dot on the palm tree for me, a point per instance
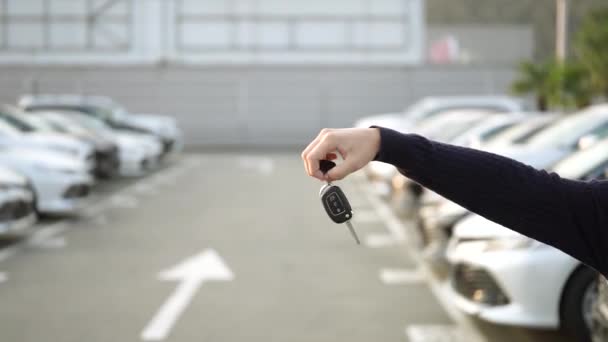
(534, 78)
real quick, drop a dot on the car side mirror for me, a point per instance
(587, 141)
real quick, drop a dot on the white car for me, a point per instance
(507, 278)
(17, 204)
(430, 106)
(17, 132)
(163, 125)
(569, 134)
(106, 151)
(62, 184)
(103, 108)
(137, 152)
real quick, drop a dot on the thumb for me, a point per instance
(340, 171)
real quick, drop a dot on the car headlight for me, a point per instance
(508, 243)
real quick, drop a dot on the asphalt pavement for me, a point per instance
(227, 247)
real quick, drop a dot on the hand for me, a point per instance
(357, 146)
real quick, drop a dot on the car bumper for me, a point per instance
(17, 212)
(512, 287)
(63, 194)
(130, 167)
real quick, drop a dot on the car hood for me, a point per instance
(477, 227)
(537, 158)
(58, 140)
(133, 138)
(394, 121)
(158, 124)
(39, 157)
(8, 176)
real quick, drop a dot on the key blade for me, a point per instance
(352, 232)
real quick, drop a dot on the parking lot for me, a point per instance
(167, 257)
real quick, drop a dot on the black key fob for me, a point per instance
(335, 203)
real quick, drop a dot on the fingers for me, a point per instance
(340, 171)
(331, 156)
(324, 144)
(309, 148)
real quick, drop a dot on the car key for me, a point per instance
(335, 202)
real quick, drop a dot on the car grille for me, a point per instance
(106, 162)
(167, 145)
(15, 210)
(477, 285)
(77, 191)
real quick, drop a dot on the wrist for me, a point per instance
(374, 139)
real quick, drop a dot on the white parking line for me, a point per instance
(441, 291)
(145, 188)
(392, 222)
(100, 220)
(437, 333)
(47, 236)
(124, 201)
(7, 252)
(401, 276)
(379, 240)
(50, 243)
(365, 216)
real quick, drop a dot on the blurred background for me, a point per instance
(151, 188)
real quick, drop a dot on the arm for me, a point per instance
(568, 215)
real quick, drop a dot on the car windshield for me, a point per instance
(65, 125)
(520, 133)
(567, 131)
(106, 114)
(580, 164)
(39, 124)
(482, 132)
(88, 122)
(448, 129)
(17, 122)
(8, 130)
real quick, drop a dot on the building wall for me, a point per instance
(257, 105)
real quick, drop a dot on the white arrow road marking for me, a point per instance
(191, 273)
(391, 276)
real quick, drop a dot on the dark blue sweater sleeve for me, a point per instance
(569, 215)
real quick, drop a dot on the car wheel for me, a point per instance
(576, 307)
